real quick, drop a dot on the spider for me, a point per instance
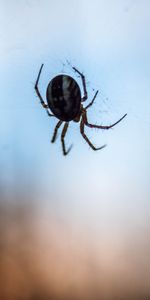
(65, 102)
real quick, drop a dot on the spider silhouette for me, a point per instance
(64, 100)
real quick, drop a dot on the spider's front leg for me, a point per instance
(86, 138)
(39, 94)
(84, 98)
(62, 139)
(91, 103)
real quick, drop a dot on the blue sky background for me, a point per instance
(104, 194)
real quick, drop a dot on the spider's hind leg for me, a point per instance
(62, 139)
(55, 131)
(101, 126)
(86, 138)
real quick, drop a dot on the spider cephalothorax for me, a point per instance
(65, 101)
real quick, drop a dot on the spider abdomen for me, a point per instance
(64, 97)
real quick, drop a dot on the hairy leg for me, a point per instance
(101, 126)
(86, 138)
(84, 98)
(39, 94)
(91, 103)
(55, 131)
(62, 139)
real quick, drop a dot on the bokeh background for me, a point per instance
(75, 227)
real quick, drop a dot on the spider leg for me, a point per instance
(62, 139)
(39, 94)
(86, 138)
(84, 98)
(91, 103)
(101, 126)
(55, 131)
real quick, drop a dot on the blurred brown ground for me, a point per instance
(42, 257)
